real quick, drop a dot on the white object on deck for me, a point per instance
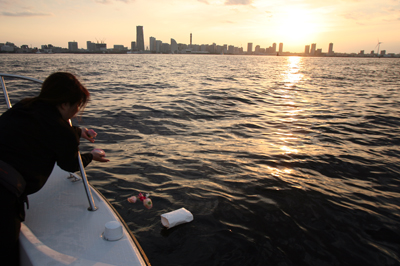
(177, 217)
(59, 229)
(113, 231)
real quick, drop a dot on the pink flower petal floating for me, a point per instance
(148, 203)
(100, 152)
(141, 197)
(132, 199)
(145, 199)
(91, 133)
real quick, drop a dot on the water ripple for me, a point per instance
(282, 160)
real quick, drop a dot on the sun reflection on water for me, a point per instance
(292, 75)
(289, 114)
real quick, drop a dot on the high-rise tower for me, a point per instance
(174, 46)
(330, 51)
(307, 50)
(190, 40)
(249, 48)
(280, 48)
(139, 38)
(153, 46)
(313, 48)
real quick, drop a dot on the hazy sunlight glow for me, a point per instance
(297, 26)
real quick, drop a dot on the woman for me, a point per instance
(34, 135)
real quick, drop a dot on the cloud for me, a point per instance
(204, 1)
(25, 14)
(238, 2)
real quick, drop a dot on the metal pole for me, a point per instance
(7, 99)
(92, 206)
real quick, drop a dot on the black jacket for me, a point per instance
(33, 138)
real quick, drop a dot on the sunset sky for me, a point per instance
(352, 25)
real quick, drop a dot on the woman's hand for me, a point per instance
(99, 155)
(88, 134)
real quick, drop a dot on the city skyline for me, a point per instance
(351, 25)
(157, 46)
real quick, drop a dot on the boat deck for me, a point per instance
(60, 230)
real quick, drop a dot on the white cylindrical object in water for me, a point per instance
(177, 217)
(112, 231)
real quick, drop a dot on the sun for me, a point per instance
(296, 26)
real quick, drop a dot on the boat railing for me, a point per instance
(92, 206)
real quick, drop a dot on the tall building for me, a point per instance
(307, 50)
(274, 47)
(73, 46)
(249, 48)
(158, 46)
(190, 40)
(280, 48)
(153, 45)
(90, 46)
(174, 46)
(133, 46)
(313, 48)
(139, 38)
(330, 49)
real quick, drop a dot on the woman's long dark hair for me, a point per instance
(62, 87)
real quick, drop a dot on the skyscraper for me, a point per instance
(153, 46)
(249, 48)
(274, 47)
(280, 47)
(139, 38)
(313, 48)
(307, 50)
(174, 46)
(330, 49)
(158, 46)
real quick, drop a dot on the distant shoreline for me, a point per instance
(241, 54)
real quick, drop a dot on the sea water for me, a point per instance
(281, 160)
